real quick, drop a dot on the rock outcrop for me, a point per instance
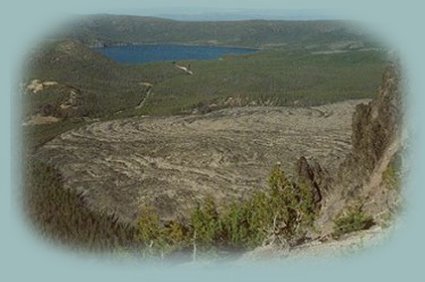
(314, 176)
(376, 145)
(37, 85)
(376, 125)
(64, 103)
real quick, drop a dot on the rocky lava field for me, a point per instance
(171, 163)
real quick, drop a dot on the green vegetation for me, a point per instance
(36, 135)
(270, 77)
(62, 215)
(206, 224)
(350, 220)
(155, 238)
(102, 86)
(276, 77)
(115, 29)
(392, 175)
(287, 71)
(283, 213)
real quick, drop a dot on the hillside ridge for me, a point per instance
(105, 30)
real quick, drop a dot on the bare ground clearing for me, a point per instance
(172, 162)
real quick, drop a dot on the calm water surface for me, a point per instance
(166, 52)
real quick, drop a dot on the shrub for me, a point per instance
(293, 206)
(160, 238)
(245, 225)
(283, 213)
(350, 220)
(148, 227)
(205, 224)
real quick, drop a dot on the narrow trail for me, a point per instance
(149, 87)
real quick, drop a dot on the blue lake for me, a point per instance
(167, 52)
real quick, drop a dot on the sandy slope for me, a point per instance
(347, 245)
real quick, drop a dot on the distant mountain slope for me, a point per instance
(270, 77)
(69, 54)
(114, 29)
(100, 85)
